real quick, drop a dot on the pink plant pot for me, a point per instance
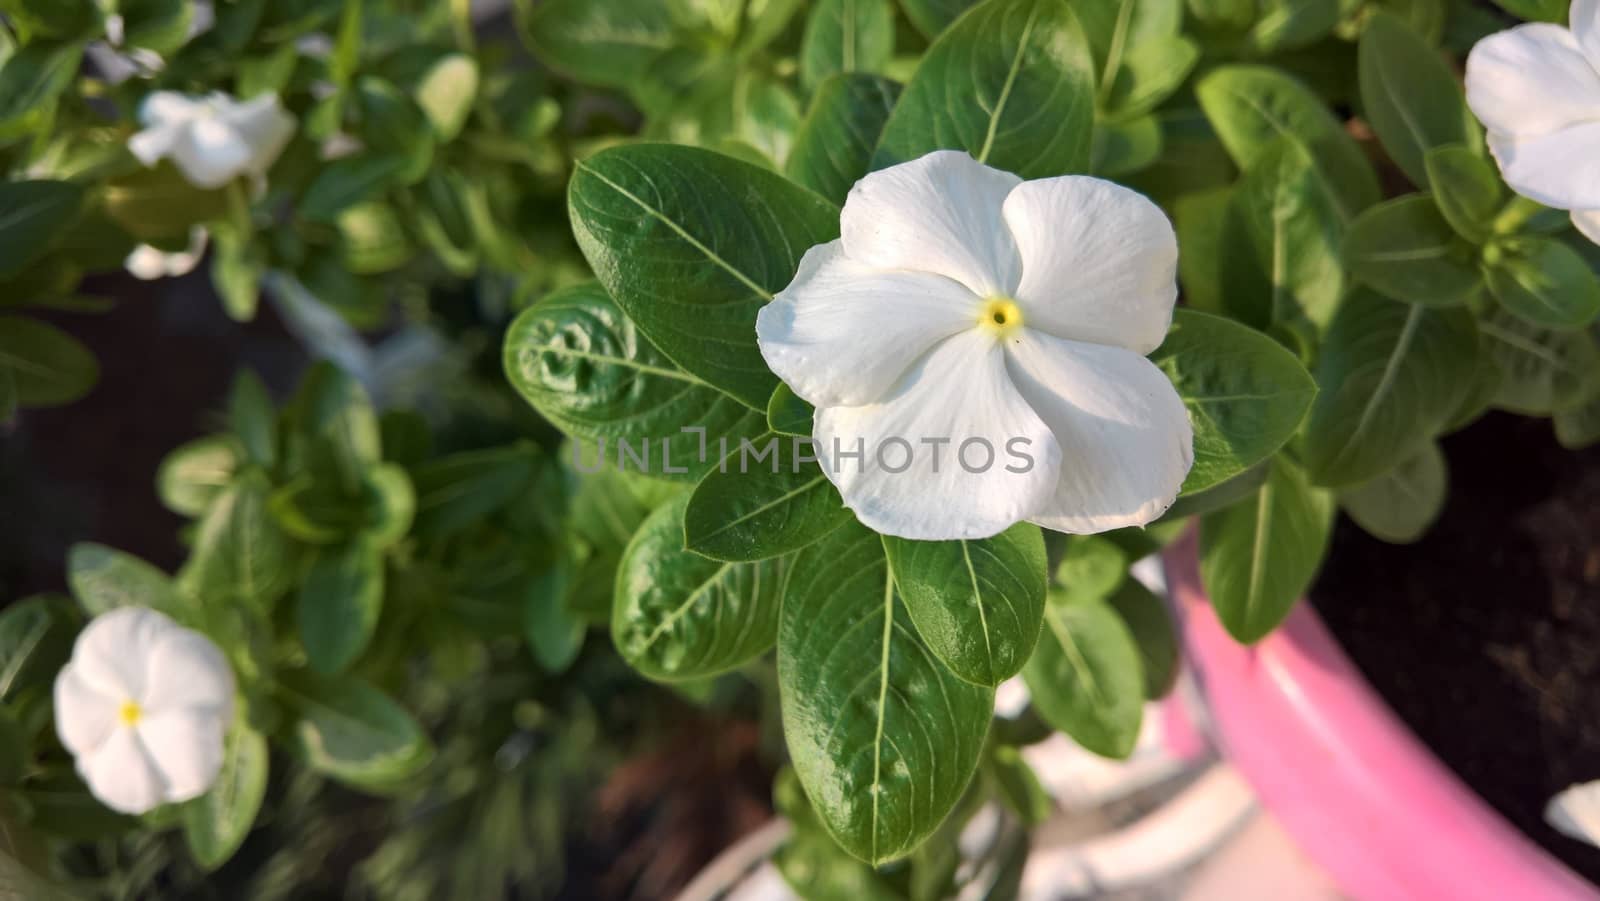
(1360, 794)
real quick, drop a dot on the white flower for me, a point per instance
(964, 306)
(150, 263)
(1576, 812)
(212, 139)
(1536, 88)
(143, 705)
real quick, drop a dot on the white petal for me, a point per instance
(146, 262)
(169, 108)
(264, 125)
(1576, 812)
(211, 153)
(1099, 262)
(112, 652)
(1531, 80)
(84, 715)
(1560, 169)
(1584, 17)
(958, 393)
(1587, 222)
(187, 671)
(843, 333)
(121, 774)
(1126, 443)
(939, 213)
(186, 748)
(154, 143)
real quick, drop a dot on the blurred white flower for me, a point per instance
(967, 317)
(150, 263)
(212, 139)
(339, 145)
(143, 706)
(1576, 812)
(1536, 88)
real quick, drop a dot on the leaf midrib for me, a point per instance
(1391, 367)
(1005, 90)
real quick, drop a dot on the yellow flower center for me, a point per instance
(131, 713)
(1000, 315)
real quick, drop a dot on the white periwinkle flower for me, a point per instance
(1576, 812)
(975, 347)
(1536, 88)
(212, 139)
(150, 263)
(143, 705)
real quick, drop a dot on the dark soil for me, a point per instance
(1485, 635)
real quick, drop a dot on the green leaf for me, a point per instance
(788, 414)
(812, 863)
(584, 365)
(46, 366)
(1011, 83)
(1410, 95)
(104, 579)
(346, 182)
(1466, 189)
(339, 604)
(1399, 505)
(690, 244)
(159, 203)
(35, 641)
(976, 604)
(555, 633)
(216, 823)
(33, 215)
(1091, 568)
(347, 730)
(766, 498)
(1290, 24)
(1542, 370)
(883, 737)
(833, 148)
(458, 490)
(31, 80)
(16, 755)
(240, 554)
(1149, 73)
(1292, 216)
(1406, 250)
(391, 120)
(1126, 146)
(1391, 375)
(1150, 624)
(237, 268)
(447, 92)
(161, 26)
(933, 16)
(1086, 678)
(846, 36)
(679, 615)
(1252, 106)
(1578, 427)
(1258, 557)
(253, 418)
(1218, 496)
(1553, 11)
(1544, 282)
(1246, 394)
(1018, 787)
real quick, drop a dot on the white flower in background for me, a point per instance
(1536, 88)
(212, 139)
(964, 306)
(143, 705)
(150, 263)
(1576, 812)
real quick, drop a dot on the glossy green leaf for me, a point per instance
(766, 498)
(1086, 678)
(1246, 394)
(883, 737)
(1223, 494)
(1466, 188)
(583, 364)
(1399, 505)
(1543, 282)
(1391, 375)
(348, 730)
(690, 244)
(1409, 94)
(216, 823)
(104, 579)
(1553, 11)
(1251, 107)
(1150, 72)
(1258, 557)
(46, 366)
(1125, 146)
(976, 604)
(1150, 624)
(1011, 83)
(834, 145)
(339, 604)
(1092, 567)
(1406, 250)
(240, 554)
(610, 43)
(787, 414)
(33, 216)
(846, 36)
(812, 863)
(1289, 24)
(679, 615)
(1541, 370)
(1292, 217)
(933, 16)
